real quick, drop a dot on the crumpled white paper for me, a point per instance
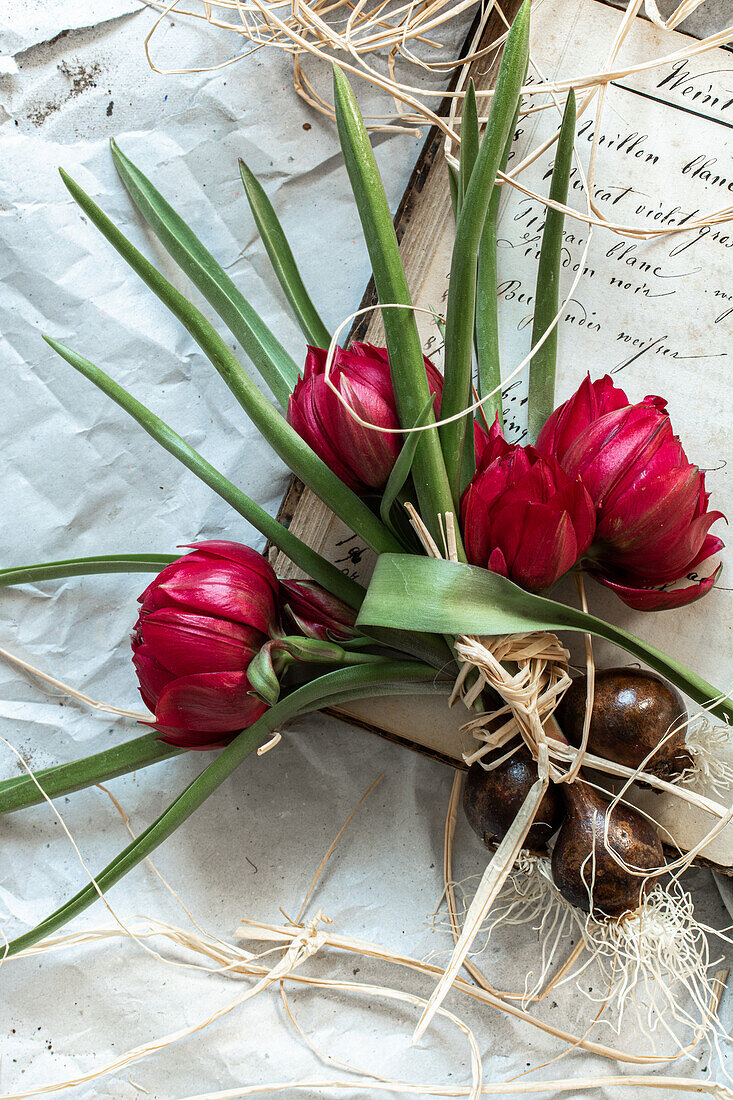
(80, 478)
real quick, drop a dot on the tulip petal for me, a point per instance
(710, 547)
(241, 555)
(152, 676)
(376, 451)
(545, 549)
(186, 643)
(602, 454)
(316, 612)
(209, 702)
(311, 424)
(590, 401)
(497, 563)
(222, 589)
(642, 598)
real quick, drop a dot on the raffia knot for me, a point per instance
(529, 672)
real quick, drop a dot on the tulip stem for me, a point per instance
(333, 689)
(406, 361)
(21, 791)
(461, 310)
(486, 336)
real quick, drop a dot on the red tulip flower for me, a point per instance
(523, 517)
(362, 457)
(652, 508)
(202, 621)
(315, 612)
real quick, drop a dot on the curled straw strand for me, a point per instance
(352, 33)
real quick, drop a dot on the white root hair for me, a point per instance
(710, 770)
(655, 963)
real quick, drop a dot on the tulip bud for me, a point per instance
(201, 622)
(652, 517)
(523, 517)
(315, 612)
(362, 457)
(591, 400)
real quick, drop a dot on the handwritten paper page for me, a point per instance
(655, 314)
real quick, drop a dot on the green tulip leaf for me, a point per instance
(21, 791)
(278, 369)
(547, 295)
(469, 141)
(283, 261)
(83, 567)
(454, 188)
(413, 593)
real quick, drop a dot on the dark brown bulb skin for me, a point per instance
(614, 890)
(633, 710)
(491, 800)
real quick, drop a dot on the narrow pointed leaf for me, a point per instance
(82, 567)
(278, 369)
(316, 566)
(547, 295)
(333, 689)
(469, 140)
(286, 442)
(488, 357)
(20, 791)
(283, 261)
(464, 599)
(403, 465)
(462, 287)
(403, 340)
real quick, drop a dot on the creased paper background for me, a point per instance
(78, 478)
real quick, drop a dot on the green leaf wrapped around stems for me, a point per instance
(333, 689)
(283, 261)
(403, 340)
(278, 369)
(82, 567)
(465, 599)
(469, 141)
(283, 439)
(313, 563)
(61, 779)
(486, 335)
(547, 295)
(461, 311)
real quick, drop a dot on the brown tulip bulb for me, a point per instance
(492, 799)
(633, 711)
(582, 866)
